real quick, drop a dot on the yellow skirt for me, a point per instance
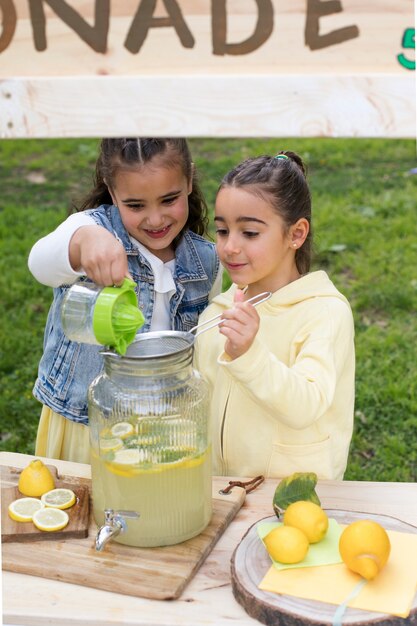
(60, 438)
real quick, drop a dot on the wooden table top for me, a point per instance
(208, 599)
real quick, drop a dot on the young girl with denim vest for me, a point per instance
(281, 375)
(145, 218)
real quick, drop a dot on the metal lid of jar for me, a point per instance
(156, 345)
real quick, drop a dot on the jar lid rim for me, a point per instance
(156, 345)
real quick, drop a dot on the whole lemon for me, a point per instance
(308, 517)
(286, 544)
(365, 547)
(35, 479)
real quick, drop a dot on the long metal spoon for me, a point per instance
(201, 328)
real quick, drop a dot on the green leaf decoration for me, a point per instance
(298, 486)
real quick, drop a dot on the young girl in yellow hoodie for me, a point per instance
(281, 375)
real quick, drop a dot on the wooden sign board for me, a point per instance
(207, 68)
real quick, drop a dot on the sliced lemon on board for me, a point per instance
(110, 444)
(22, 509)
(122, 430)
(59, 498)
(50, 519)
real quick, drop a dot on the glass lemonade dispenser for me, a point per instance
(150, 443)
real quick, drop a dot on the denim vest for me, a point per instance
(67, 368)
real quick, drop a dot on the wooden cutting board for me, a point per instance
(156, 573)
(27, 531)
(250, 563)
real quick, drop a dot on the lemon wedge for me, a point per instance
(122, 430)
(22, 509)
(59, 498)
(50, 519)
(110, 444)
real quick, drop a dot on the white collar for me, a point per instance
(163, 272)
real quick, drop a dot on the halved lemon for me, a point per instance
(59, 498)
(35, 479)
(22, 509)
(122, 430)
(50, 519)
(110, 444)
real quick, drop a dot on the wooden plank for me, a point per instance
(262, 106)
(289, 69)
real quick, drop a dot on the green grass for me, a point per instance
(365, 238)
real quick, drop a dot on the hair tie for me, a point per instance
(281, 156)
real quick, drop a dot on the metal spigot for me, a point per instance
(114, 524)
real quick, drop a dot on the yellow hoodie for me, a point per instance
(287, 404)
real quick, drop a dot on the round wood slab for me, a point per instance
(250, 562)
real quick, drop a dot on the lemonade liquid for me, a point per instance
(174, 499)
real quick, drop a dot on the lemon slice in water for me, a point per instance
(59, 498)
(50, 519)
(122, 430)
(110, 444)
(126, 462)
(22, 509)
(128, 456)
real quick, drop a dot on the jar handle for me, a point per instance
(248, 486)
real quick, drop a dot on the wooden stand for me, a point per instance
(250, 563)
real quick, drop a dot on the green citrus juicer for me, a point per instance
(116, 316)
(101, 315)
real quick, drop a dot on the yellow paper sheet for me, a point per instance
(324, 553)
(392, 591)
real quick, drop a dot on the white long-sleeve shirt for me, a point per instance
(50, 265)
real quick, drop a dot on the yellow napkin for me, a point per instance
(392, 591)
(324, 553)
